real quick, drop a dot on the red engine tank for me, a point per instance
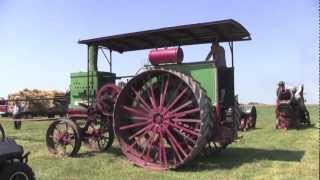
(166, 55)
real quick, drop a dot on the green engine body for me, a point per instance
(210, 78)
(79, 85)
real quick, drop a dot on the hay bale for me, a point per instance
(38, 101)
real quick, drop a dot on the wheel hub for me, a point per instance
(158, 118)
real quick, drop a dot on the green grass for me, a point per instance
(264, 153)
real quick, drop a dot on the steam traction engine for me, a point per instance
(172, 111)
(291, 112)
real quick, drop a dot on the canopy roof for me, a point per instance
(201, 33)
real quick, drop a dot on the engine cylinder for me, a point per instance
(166, 55)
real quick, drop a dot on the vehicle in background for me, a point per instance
(14, 162)
(3, 107)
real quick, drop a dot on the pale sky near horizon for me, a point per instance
(39, 46)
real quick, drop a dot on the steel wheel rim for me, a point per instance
(106, 138)
(19, 176)
(166, 127)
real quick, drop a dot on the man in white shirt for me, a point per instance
(16, 114)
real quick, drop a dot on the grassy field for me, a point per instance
(263, 153)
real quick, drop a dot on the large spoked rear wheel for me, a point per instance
(63, 138)
(161, 119)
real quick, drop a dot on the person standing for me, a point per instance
(16, 114)
(219, 57)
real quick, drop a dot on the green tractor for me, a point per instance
(167, 114)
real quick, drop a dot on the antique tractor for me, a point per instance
(291, 111)
(167, 114)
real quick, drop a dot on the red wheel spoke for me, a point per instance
(57, 129)
(136, 141)
(177, 98)
(141, 130)
(185, 136)
(139, 118)
(152, 97)
(143, 107)
(174, 141)
(164, 93)
(184, 113)
(175, 149)
(147, 144)
(163, 148)
(135, 111)
(186, 120)
(154, 138)
(181, 107)
(55, 138)
(133, 125)
(141, 99)
(184, 129)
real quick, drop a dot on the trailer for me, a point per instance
(36, 103)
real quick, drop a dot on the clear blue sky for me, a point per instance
(39, 47)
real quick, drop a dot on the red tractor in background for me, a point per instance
(291, 111)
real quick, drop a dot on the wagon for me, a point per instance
(168, 113)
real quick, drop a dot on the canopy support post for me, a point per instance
(231, 50)
(88, 89)
(110, 63)
(109, 60)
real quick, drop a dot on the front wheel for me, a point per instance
(17, 170)
(107, 136)
(63, 138)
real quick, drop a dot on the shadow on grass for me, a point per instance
(25, 138)
(234, 157)
(116, 151)
(86, 154)
(311, 126)
(111, 150)
(250, 130)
